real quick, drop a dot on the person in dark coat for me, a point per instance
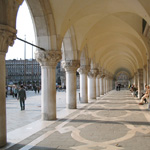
(22, 97)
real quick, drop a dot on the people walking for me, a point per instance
(35, 89)
(22, 97)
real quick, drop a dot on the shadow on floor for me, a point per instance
(107, 122)
(19, 146)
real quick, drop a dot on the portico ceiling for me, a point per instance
(111, 29)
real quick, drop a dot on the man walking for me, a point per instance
(22, 97)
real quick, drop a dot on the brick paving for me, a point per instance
(114, 121)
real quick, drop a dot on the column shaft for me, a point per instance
(148, 71)
(102, 86)
(2, 101)
(48, 93)
(144, 77)
(92, 83)
(83, 88)
(83, 71)
(97, 87)
(92, 88)
(71, 90)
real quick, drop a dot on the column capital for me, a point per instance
(99, 74)
(7, 37)
(93, 73)
(48, 58)
(103, 75)
(84, 69)
(70, 65)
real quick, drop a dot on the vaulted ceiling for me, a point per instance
(111, 29)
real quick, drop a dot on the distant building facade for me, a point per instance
(23, 72)
(28, 72)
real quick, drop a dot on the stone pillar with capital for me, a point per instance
(48, 61)
(140, 82)
(70, 67)
(107, 83)
(83, 71)
(92, 83)
(7, 37)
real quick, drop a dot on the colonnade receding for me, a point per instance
(89, 89)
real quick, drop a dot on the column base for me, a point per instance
(71, 107)
(3, 143)
(83, 102)
(47, 117)
(92, 97)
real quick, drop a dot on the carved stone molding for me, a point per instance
(7, 37)
(99, 74)
(48, 58)
(84, 69)
(70, 65)
(93, 73)
(103, 75)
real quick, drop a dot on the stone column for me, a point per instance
(83, 71)
(97, 86)
(111, 85)
(92, 83)
(144, 76)
(108, 86)
(148, 71)
(107, 83)
(102, 85)
(140, 82)
(104, 80)
(7, 37)
(71, 68)
(48, 61)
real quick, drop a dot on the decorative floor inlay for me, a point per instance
(117, 123)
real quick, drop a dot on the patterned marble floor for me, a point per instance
(114, 121)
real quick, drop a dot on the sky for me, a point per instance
(24, 26)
